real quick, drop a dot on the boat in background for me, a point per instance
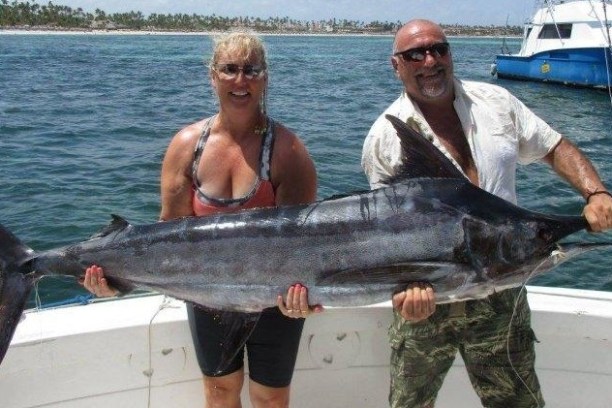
(138, 352)
(565, 42)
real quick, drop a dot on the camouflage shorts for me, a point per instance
(500, 366)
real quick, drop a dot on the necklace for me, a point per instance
(260, 130)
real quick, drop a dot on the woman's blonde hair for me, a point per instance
(241, 43)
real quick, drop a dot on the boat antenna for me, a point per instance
(605, 25)
(504, 47)
(550, 5)
(606, 22)
(607, 54)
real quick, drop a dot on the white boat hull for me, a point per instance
(107, 354)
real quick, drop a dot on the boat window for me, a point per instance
(550, 31)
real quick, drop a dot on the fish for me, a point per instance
(429, 223)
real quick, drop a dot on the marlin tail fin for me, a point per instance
(16, 282)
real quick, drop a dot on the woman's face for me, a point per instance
(238, 81)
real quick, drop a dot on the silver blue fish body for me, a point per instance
(348, 251)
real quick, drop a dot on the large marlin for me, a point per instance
(430, 224)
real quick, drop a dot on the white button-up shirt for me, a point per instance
(501, 132)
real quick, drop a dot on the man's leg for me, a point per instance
(499, 354)
(421, 355)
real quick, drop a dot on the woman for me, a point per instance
(237, 159)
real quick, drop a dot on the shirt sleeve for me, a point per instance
(536, 138)
(380, 155)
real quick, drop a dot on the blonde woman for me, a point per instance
(238, 158)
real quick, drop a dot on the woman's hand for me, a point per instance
(95, 282)
(296, 306)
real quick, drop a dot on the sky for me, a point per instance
(465, 12)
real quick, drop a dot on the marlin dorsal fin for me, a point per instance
(117, 224)
(420, 158)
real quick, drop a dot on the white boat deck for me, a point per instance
(109, 354)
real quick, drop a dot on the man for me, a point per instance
(486, 132)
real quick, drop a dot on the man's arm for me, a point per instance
(571, 164)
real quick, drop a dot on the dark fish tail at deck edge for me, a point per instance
(15, 285)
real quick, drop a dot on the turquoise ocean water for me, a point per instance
(85, 120)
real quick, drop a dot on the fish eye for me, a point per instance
(545, 234)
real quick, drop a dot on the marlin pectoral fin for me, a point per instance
(400, 274)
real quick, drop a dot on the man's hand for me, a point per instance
(598, 212)
(417, 302)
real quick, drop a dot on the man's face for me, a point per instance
(423, 62)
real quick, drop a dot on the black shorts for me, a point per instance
(272, 347)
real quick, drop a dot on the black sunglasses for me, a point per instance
(418, 54)
(232, 70)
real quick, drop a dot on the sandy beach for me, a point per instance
(42, 31)
(34, 31)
